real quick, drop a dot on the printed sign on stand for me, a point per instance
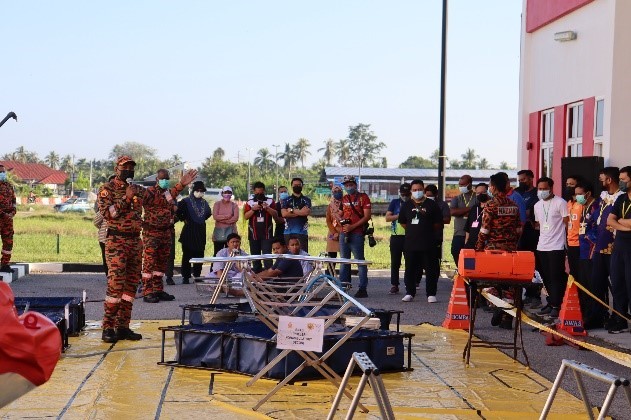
(296, 333)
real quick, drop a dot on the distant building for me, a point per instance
(384, 183)
(575, 84)
(34, 174)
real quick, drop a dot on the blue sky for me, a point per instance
(187, 77)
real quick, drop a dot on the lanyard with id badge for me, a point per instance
(475, 224)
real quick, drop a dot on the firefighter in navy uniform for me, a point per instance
(160, 206)
(121, 205)
(7, 211)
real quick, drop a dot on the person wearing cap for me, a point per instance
(460, 206)
(260, 212)
(160, 206)
(193, 211)
(295, 210)
(356, 208)
(7, 212)
(226, 215)
(120, 202)
(397, 237)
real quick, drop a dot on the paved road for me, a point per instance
(544, 360)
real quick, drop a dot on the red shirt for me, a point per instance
(360, 202)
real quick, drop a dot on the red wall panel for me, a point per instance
(541, 12)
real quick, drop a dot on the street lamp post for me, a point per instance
(276, 146)
(249, 173)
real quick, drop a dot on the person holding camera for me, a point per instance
(260, 213)
(356, 210)
(422, 220)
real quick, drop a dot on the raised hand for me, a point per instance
(188, 177)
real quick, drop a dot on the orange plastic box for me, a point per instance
(516, 266)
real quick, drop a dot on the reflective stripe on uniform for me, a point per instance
(113, 211)
(157, 274)
(110, 299)
(127, 298)
(7, 252)
(146, 275)
(484, 231)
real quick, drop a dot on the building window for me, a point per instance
(599, 127)
(547, 142)
(574, 130)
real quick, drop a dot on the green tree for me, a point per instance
(263, 159)
(343, 151)
(328, 151)
(469, 159)
(435, 158)
(363, 145)
(288, 156)
(218, 172)
(301, 150)
(456, 164)
(413, 162)
(504, 165)
(483, 164)
(219, 154)
(147, 162)
(52, 159)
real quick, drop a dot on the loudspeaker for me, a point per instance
(587, 167)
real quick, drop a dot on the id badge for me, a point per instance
(415, 221)
(260, 219)
(546, 227)
(475, 224)
(581, 230)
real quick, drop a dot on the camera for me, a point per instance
(345, 222)
(260, 203)
(371, 240)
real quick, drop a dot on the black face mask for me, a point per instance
(483, 198)
(126, 174)
(523, 186)
(297, 189)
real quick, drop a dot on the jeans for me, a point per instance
(355, 246)
(396, 254)
(258, 247)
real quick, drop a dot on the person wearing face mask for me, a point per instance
(460, 207)
(295, 210)
(356, 208)
(260, 212)
(474, 221)
(334, 216)
(120, 202)
(431, 192)
(620, 220)
(423, 221)
(160, 207)
(552, 218)
(7, 212)
(574, 210)
(584, 193)
(397, 237)
(609, 178)
(226, 215)
(280, 221)
(193, 211)
(529, 235)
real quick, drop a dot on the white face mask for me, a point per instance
(417, 195)
(464, 190)
(198, 194)
(432, 198)
(543, 194)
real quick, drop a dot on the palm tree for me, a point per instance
(288, 157)
(468, 159)
(175, 160)
(66, 164)
(329, 151)
(263, 159)
(301, 150)
(21, 154)
(219, 154)
(483, 164)
(343, 150)
(52, 159)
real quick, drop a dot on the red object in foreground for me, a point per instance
(571, 317)
(457, 316)
(30, 346)
(507, 266)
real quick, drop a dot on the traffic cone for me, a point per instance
(457, 316)
(570, 317)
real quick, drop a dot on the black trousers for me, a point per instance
(621, 278)
(258, 247)
(583, 276)
(396, 255)
(415, 262)
(457, 243)
(187, 254)
(218, 246)
(599, 285)
(528, 242)
(553, 275)
(573, 257)
(102, 245)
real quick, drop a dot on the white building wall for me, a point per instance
(554, 73)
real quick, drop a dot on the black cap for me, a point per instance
(405, 188)
(199, 186)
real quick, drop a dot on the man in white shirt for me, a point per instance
(551, 219)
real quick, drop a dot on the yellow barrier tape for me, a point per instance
(613, 355)
(571, 281)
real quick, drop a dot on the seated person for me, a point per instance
(283, 268)
(295, 247)
(233, 248)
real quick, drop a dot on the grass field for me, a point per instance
(41, 235)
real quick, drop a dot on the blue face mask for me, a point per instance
(417, 195)
(3, 176)
(284, 195)
(163, 183)
(489, 193)
(351, 190)
(338, 195)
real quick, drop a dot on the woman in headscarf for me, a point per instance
(333, 218)
(193, 210)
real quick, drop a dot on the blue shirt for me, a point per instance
(296, 225)
(395, 208)
(516, 198)
(288, 268)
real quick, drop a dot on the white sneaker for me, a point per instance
(431, 299)
(408, 298)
